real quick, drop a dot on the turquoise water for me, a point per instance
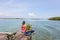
(44, 29)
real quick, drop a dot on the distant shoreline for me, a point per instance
(11, 18)
(22, 18)
(54, 18)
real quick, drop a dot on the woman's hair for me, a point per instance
(23, 22)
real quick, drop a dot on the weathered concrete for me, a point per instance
(13, 36)
(3, 36)
(21, 36)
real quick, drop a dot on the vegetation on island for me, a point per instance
(54, 18)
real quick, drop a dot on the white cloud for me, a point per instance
(1, 14)
(31, 14)
(9, 15)
(6, 14)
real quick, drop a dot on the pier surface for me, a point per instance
(17, 36)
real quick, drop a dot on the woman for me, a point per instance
(23, 28)
(27, 30)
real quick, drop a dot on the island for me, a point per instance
(54, 18)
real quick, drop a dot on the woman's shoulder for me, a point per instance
(24, 25)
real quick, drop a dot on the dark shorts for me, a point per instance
(28, 33)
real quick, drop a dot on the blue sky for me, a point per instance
(29, 8)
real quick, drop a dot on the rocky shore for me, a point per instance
(14, 36)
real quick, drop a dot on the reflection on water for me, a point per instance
(44, 29)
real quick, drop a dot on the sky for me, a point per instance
(29, 8)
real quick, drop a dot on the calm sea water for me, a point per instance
(44, 29)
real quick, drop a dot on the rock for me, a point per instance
(3, 36)
(21, 36)
(14, 36)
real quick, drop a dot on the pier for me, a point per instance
(14, 36)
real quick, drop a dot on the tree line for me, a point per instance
(54, 18)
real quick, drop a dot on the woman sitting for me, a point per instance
(23, 28)
(26, 29)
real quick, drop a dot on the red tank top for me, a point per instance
(23, 28)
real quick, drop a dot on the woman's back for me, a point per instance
(23, 28)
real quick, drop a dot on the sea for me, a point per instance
(44, 29)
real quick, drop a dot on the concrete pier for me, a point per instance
(14, 36)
